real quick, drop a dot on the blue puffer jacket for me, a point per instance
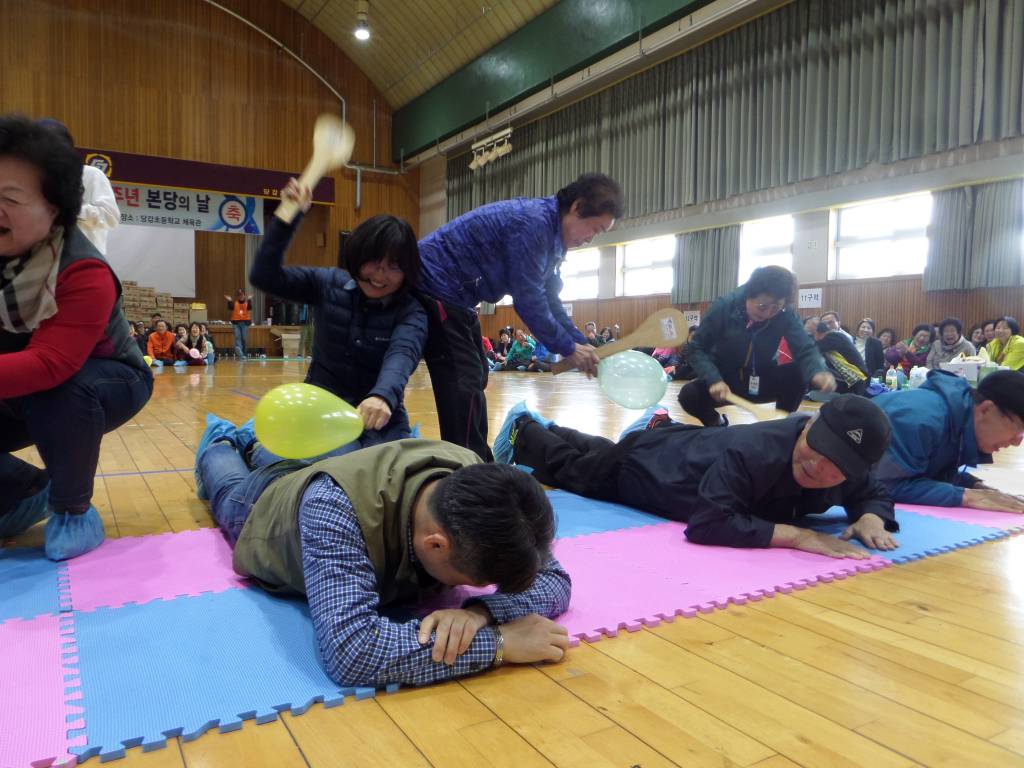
(361, 347)
(932, 437)
(511, 247)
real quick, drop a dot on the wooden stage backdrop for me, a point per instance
(180, 78)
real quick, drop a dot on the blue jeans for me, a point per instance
(233, 488)
(66, 425)
(396, 429)
(241, 336)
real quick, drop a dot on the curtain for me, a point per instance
(813, 89)
(997, 236)
(707, 264)
(976, 237)
(949, 236)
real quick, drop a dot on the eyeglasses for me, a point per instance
(772, 307)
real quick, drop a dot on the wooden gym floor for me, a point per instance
(916, 664)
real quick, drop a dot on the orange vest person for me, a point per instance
(240, 307)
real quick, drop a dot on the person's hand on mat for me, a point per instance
(997, 501)
(375, 411)
(300, 193)
(823, 382)
(812, 541)
(719, 391)
(585, 359)
(456, 628)
(870, 530)
(534, 638)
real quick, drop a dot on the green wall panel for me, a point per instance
(562, 40)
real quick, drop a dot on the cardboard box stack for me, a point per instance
(140, 302)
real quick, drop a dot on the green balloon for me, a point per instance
(299, 421)
(632, 379)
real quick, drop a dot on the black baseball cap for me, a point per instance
(1006, 390)
(852, 433)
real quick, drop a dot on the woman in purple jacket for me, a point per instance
(512, 247)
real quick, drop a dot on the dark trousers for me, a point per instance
(66, 424)
(575, 461)
(458, 374)
(781, 385)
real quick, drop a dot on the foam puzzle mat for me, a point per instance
(154, 637)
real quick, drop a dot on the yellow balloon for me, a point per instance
(148, 359)
(300, 421)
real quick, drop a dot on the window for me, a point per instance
(765, 242)
(580, 272)
(883, 237)
(647, 266)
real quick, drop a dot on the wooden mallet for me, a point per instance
(333, 140)
(665, 328)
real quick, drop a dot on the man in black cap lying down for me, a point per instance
(739, 486)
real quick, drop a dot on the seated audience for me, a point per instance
(541, 360)
(752, 343)
(950, 345)
(140, 337)
(870, 348)
(675, 359)
(944, 425)
(811, 325)
(379, 527)
(831, 319)
(592, 336)
(520, 353)
(488, 350)
(988, 330)
(606, 335)
(912, 351)
(501, 348)
(740, 486)
(160, 345)
(977, 337)
(1007, 348)
(211, 353)
(842, 359)
(194, 339)
(888, 337)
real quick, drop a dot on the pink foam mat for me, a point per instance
(642, 576)
(138, 570)
(1007, 521)
(38, 688)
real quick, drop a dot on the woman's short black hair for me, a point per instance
(500, 523)
(869, 321)
(986, 323)
(1012, 323)
(893, 336)
(380, 238)
(600, 194)
(924, 327)
(777, 282)
(60, 166)
(179, 326)
(956, 322)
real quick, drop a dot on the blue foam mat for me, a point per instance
(183, 666)
(579, 516)
(29, 583)
(919, 535)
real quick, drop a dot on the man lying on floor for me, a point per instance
(945, 425)
(378, 526)
(740, 486)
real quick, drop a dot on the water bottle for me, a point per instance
(901, 378)
(891, 381)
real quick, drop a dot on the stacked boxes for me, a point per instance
(140, 302)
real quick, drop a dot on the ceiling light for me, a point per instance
(362, 30)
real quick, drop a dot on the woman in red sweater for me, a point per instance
(69, 371)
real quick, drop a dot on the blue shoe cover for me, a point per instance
(69, 535)
(216, 429)
(25, 514)
(505, 440)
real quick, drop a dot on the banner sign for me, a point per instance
(691, 316)
(208, 211)
(167, 172)
(567, 308)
